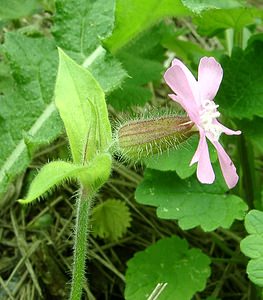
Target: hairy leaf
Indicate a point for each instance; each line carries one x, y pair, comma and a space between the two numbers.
56, 172
168, 261
190, 202
28, 118
79, 27
111, 219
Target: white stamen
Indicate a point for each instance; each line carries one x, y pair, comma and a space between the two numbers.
207, 116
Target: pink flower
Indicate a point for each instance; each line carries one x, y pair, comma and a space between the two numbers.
197, 99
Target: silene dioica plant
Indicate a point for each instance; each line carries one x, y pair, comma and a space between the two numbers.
61, 70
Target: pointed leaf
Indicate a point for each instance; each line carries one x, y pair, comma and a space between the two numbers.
56, 172
81, 104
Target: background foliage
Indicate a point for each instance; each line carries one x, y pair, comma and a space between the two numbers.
155, 217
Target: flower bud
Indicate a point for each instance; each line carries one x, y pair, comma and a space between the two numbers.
141, 138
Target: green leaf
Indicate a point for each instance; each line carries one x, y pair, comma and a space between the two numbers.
15, 9
81, 104
241, 92
129, 95
190, 202
168, 261
79, 26
178, 159
146, 52
56, 172
252, 246
135, 16
190, 53
132, 92
110, 219
28, 118
197, 6
212, 21
253, 130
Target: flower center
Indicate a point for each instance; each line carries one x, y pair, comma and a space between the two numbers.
208, 115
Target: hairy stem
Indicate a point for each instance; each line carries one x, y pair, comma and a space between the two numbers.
84, 203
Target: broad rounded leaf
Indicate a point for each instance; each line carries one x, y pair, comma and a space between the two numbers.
190, 202
178, 159
252, 246
168, 261
255, 271
110, 219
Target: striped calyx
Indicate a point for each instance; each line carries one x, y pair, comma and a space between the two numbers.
142, 138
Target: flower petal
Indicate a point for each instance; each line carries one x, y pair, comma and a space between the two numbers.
205, 173
185, 105
210, 75
227, 166
183, 83
228, 131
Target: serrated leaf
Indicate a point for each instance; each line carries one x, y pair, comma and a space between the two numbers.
197, 6
190, 202
79, 26
252, 246
168, 261
111, 219
56, 172
135, 16
15, 9
82, 107
28, 118
212, 21
178, 159
241, 92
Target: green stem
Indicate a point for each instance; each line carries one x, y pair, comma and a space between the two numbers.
83, 203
